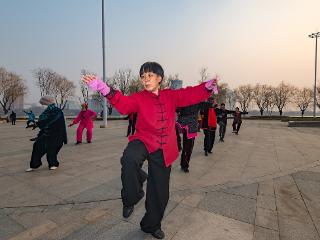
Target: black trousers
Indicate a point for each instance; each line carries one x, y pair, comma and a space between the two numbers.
209, 137
222, 129
132, 177
186, 150
236, 126
13, 121
131, 128
41, 147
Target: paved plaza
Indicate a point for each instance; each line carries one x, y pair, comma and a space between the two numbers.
262, 184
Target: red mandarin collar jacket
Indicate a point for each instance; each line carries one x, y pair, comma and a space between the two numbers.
85, 118
155, 125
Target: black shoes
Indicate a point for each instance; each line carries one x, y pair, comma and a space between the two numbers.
186, 170
210, 152
158, 234
77, 143
205, 153
127, 211
221, 140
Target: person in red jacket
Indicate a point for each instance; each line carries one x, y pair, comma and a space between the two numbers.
209, 124
85, 118
132, 117
154, 140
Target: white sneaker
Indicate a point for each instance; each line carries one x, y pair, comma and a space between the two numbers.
30, 169
53, 168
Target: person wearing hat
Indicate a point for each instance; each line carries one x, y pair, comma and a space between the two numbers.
154, 140
85, 118
51, 137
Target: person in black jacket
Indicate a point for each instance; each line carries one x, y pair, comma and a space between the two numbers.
222, 117
13, 118
51, 137
237, 120
187, 124
132, 117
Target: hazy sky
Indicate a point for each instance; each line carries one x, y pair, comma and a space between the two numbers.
243, 41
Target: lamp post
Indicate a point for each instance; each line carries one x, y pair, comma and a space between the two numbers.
104, 101
315, 35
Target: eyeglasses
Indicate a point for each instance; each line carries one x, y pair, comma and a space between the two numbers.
147, 76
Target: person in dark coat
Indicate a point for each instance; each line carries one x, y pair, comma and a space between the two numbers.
187, 124
222, 117
51, 137
237, 120
209, 124
13, 118
132, 117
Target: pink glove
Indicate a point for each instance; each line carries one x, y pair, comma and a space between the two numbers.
100, 86
212, 85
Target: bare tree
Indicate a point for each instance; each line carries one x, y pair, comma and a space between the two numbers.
84, 88
45, 80
121, 80
302, 98
62, 90
51, 83
270, 100
12, 86
318, 96
135, 85
231, 98
221, 97
203, 74
261, 95
282, 95
244, 94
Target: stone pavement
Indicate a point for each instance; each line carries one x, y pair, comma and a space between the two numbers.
262, 184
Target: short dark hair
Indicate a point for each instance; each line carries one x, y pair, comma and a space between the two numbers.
222, 104
152, 67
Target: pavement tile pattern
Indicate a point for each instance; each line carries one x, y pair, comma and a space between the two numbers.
260, 185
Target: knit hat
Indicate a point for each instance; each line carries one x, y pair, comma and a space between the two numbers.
46, 100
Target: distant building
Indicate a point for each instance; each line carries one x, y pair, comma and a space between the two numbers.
71, 104
18, 103
176, 84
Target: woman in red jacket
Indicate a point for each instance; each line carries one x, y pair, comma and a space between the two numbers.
209, 124
154, 140
85, 118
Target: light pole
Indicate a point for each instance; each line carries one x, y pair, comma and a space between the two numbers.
315, 35
104, 101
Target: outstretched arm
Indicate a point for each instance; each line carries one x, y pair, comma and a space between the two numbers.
193, 95
76, 120
124, 104
230, 112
